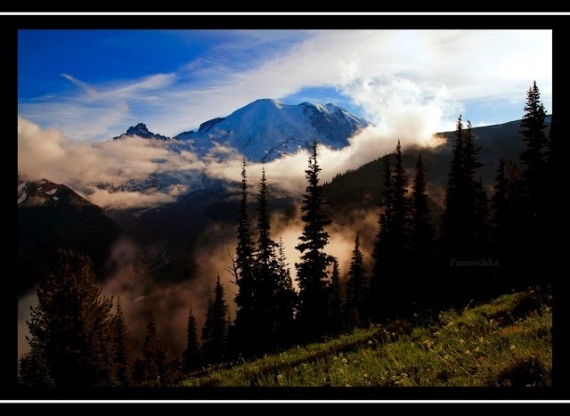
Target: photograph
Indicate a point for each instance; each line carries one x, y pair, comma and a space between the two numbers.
286, 208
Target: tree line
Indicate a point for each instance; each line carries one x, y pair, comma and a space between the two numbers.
488, 241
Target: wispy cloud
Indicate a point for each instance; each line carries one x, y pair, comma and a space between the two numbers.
92, 92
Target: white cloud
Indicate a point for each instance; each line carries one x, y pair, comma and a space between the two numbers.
83, 165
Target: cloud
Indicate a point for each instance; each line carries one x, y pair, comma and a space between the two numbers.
410, 84
133, 281
458, 66
85, 166
92, 92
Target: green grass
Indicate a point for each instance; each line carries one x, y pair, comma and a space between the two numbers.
506, 342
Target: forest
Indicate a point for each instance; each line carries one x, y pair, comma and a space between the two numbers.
485, 244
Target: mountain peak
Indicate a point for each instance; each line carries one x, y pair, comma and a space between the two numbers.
140, 130
267, 128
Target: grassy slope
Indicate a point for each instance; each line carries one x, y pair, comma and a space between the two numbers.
506, 342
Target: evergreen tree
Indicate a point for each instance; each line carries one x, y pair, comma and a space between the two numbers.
504, 230
536, 153
421, 242
382, 245
400, 207
481, 219
476, 209
70, 329
121, 346
422, 232
152, 354
463, 225
499, 207
285, 300
453, 227
214, 333
389, 294
245, 325
192, 353
356, 288
265, 272
336, 321
312, 270
537, 190
33, 369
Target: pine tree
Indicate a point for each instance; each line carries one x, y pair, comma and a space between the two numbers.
382, 245
356, 288
265, 272
535, 155
388, 293
336, 319
152, 354
507, 232
453, 227
312, 270
421, 239
192, 353
121, 346
476, 210
245, 325
285, 300
422, 232
537, 191
463, 226
464, 234
70, 329
400, 207
215, 331
33, 369
499, 207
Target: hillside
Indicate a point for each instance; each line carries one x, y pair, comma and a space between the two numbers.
362, 187
506, 342
52, 215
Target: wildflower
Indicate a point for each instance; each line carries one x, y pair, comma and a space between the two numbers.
513, 347
344, 361
365, 375
461, 341
481, 340
467, 352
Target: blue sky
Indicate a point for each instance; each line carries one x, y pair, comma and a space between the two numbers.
94, 84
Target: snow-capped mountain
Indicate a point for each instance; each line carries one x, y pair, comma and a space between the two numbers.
262, 131
266, 129
45, 193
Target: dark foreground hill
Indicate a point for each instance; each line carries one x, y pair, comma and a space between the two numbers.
52, 216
